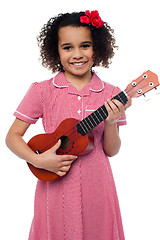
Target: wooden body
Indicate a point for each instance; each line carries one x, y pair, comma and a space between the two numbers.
72, 143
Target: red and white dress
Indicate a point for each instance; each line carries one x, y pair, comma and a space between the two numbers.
83, 205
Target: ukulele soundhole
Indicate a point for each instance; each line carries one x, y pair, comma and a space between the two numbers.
64, 142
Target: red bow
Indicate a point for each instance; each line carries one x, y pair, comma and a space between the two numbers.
93, 18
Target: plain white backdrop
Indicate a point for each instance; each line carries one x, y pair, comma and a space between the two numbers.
136, 168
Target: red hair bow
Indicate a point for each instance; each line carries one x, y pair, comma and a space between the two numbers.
93, 18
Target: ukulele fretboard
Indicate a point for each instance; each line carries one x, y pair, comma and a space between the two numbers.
95, 118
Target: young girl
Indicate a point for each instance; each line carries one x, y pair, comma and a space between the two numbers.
83, 204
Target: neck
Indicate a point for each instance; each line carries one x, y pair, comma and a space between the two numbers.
78, 81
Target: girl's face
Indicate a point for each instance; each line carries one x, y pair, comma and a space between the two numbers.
76, 51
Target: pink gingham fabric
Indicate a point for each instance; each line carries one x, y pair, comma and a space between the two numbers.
83, 205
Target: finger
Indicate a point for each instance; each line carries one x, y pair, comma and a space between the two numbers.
114, 106
119, 105
66, 163
117, 111
129, 103
61, 174
109, 110
108, 106
65, 168
56, 146
68, 157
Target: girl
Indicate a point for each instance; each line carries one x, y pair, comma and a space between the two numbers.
83, 204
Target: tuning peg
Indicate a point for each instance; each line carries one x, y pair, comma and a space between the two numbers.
157, 91
146, 98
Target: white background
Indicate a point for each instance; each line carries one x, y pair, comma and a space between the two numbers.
136, 168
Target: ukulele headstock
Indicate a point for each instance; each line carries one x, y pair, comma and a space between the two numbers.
146, 82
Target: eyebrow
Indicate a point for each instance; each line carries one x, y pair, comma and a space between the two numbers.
67, 44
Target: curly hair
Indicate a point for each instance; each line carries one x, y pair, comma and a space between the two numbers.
103, 41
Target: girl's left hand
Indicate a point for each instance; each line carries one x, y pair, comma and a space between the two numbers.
115, 110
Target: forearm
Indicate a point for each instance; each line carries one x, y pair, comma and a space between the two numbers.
19, 147
115, 111
112, 140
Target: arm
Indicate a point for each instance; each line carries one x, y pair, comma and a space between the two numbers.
48, 160
112, 140
15, 142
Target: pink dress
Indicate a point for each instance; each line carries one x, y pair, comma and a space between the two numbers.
83, 205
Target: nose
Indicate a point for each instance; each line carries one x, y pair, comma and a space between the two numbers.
77, 54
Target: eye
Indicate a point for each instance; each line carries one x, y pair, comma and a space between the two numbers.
67, 48
85, 46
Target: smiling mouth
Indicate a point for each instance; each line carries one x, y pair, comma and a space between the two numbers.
78, 63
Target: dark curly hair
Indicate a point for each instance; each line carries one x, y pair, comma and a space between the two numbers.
103, 41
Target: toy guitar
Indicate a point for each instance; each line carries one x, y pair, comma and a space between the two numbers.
76, 137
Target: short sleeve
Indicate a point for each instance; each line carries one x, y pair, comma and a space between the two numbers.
121, 121
30, 108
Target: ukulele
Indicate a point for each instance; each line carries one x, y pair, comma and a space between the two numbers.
76, 136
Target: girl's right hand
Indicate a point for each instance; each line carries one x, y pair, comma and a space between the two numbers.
59, 164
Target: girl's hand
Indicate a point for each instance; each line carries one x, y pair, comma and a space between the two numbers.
59, 164
115, 110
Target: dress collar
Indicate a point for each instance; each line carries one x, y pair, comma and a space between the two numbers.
95, 85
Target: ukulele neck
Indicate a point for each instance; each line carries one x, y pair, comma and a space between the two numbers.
95, 118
